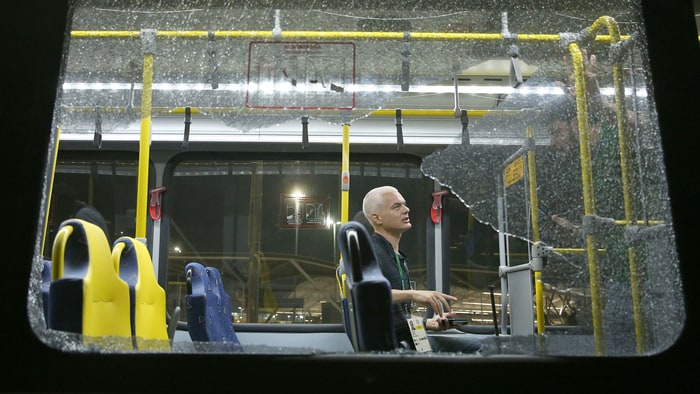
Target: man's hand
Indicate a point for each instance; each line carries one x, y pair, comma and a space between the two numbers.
439, 302
437, 323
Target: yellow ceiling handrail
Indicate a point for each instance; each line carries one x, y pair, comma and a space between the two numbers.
329, 35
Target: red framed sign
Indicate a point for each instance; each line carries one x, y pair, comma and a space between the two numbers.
301, 75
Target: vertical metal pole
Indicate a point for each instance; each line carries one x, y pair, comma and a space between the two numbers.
345, 175
502, 253
493, 310
588, 198
148, 41
438, 264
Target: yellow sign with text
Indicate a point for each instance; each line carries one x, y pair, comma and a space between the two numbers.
514, 171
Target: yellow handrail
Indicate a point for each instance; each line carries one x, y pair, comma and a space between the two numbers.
534, 220
54, 159
588, 198
345, 172
145, 139
329, 35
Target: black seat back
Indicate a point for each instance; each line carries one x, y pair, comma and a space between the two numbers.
368, 292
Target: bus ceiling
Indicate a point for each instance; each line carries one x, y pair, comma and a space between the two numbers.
272, 84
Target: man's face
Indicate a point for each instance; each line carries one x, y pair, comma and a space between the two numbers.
394, 214
563, 135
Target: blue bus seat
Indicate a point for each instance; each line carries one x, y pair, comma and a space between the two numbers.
224, 306
86, 294
146, 297
208, 307
370, 318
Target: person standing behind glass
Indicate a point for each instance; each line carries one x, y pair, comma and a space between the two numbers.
67, 205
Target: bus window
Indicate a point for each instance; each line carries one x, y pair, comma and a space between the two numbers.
269, 226
536, 118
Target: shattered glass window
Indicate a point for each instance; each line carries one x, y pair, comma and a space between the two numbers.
536, 115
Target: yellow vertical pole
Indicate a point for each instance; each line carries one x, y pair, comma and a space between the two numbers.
148, 40
52, 175
344, 197
588, 197
534, 219
532, 183
345, 175
630, 211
